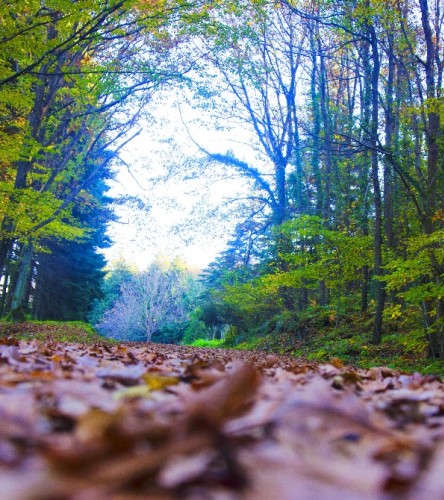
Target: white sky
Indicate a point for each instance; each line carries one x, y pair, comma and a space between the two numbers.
141, 235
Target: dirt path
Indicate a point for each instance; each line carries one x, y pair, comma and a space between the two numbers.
158, 422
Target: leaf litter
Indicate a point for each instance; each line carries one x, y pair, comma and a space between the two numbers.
162, 422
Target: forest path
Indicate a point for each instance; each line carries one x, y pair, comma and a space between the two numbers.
160, 421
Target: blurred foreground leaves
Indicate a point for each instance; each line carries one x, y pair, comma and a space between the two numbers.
160, 421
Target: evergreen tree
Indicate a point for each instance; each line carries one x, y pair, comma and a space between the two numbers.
69, 275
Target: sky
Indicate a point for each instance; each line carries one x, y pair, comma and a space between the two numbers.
191, 218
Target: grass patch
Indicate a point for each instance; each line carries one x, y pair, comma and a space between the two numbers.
206, 343
51, 331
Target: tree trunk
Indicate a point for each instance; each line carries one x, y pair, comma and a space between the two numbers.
21, 286
377, 197
432, 128
5, 276
389, 145
316, 112
327, 135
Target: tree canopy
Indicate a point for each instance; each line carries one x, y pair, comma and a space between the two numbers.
74, 79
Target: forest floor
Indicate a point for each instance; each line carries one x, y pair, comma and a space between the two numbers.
103, 421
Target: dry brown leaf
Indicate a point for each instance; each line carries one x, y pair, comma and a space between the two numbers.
227, 397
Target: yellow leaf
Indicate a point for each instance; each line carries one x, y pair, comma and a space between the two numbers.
156, 381
136, 391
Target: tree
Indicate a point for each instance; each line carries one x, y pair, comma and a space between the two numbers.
73, 80
118, 273
68, 277
369, 142
159, 298
259, 65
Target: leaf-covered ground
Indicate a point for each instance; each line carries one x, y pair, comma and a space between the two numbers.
154, 421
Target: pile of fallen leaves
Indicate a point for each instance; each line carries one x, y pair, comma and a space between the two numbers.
153, 421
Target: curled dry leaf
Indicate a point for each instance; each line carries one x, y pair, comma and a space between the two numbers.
226, 398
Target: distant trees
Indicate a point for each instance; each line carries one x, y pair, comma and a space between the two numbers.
153, 303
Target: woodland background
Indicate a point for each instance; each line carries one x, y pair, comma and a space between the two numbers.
340, 248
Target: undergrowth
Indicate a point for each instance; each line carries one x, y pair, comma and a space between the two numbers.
51, 331
403, 346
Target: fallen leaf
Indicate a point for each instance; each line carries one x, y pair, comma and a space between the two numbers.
156, 381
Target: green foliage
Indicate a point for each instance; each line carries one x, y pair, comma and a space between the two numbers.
313, 255
171, 333
207, 343
412, 277
318, 253
195, 329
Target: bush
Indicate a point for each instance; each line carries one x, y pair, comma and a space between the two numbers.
207, 343
196, 329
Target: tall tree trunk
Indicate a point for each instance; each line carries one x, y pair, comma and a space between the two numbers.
21, 284
389, 144
315, 154
300, 194
432, 125
364, 176
378, 231
327, 135
432, 128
